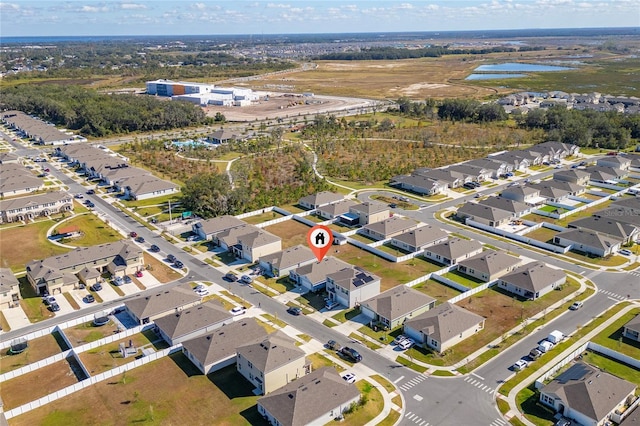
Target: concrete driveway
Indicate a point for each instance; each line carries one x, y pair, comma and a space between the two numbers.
16, 317
65, 306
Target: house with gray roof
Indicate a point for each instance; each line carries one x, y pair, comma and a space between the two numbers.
248, 242
320, 199
620, 214
215, 350
144, 309
334, 210
608, 226
577, 176
313, 276
588, 242
453, 251
556, 191
392, 307
532, 280
221, 136
529, 195
9, 289
614, 161
271, 363
605, 174
33, 206
207, 229
635, 162
475, 173
192, 322
15, 179
557, 150
631, 329
514, 158
144, 187
497, 168
484, 214
369, 212
452, 178
489, 265
113, 175
419, 184
516, 208
313, 400
419, 239
629, 202
351, 285
587, 394
388, 228
282, 262
443, 326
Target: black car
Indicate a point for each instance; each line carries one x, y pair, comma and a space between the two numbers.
294, 310
178, 264
351, 354
332, 344
89, 204
89, 298
96, 287
54, 307
91, 192
154, 249
231, 277
171, 258
140, 240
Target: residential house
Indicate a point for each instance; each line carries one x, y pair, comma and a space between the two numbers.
588, 242
477, 174
146, 186
484, 214
369, 212
452, 178
388, 228
216, 350
192, 322
282, 262
313, 400
513, 158
9, 289
224, 136
15, 179
248, 242
452, 251
608, 226
631, 329
207, 229
557, 150
529, 195
497, 168
313, 276
489, 265
587, 394
392, 307
605, 174
635, 162
614, 161
33, 206
144, 309
320, 199
571, 188
419, 239
627, 203
516, 208
113, 176
35, 129
532, 280
620, 214
335, 210
419, 184
550, 193
577, 176
351, 285
272, 362
57, 274
443, 326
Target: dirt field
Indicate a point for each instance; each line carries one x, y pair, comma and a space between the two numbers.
33, 243
291, 231
39, 349
179, 395
87, 332
160, 270
438, 291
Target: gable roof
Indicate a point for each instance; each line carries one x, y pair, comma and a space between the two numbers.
419, 181
219, 224
443, 175
320, 198
490, 262
398, 302
505, 204
7, 279
369, 208
421, 236
524, 191
486, 163
271, 353
289, 257
589, 238
391, 225
317, 271
634, 324
146, 184
257, 238
444, 321
353, 277
483, 211
630, 202
195, 318
455, 247
621, 214
588, 390
534, 276
309, 397
573, 174
338, 208
222, 343
163, 301
34, 200
605, 225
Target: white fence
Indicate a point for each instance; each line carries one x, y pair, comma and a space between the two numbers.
430, 275
257, 212
89, 382
471, 292
634, 362
517, 237
566, 360
274, 221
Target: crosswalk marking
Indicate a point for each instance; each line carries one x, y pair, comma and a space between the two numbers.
612, 295
498, 422
478, 384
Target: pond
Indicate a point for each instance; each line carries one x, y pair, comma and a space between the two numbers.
518, 67
493, 76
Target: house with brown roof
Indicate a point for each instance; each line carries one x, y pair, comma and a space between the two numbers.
282, 262
192, 322
631, 329
207, 229
313, 400
313, 276
587, 394
453, 251
33, 206
217, 349
443, 326
9, 289
334, 210
271, 363
533, 280
388, 228
489, 265
419, 239
248, 242
352, 285
392, 307
144, 309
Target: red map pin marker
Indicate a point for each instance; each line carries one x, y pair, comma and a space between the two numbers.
320, 239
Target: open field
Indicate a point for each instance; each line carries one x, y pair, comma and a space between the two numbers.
33, 243
39, 349
438, 291
262, 217
291, 231
87, 332
180, 395
542, 234
94, 231
160, 270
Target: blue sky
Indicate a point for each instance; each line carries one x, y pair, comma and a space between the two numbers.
175, 17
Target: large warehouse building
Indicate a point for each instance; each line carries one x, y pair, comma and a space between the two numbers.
202, 93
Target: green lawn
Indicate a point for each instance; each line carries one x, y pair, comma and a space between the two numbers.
370, 405
346, 314
174, 198
32, 241
94, 231
465, 280
611, 337
437, 290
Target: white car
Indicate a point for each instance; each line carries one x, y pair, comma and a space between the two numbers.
399, 339
520, 365
199, 287
575, 306
238, 310
625, 252
406, 343
203, 292
349, 378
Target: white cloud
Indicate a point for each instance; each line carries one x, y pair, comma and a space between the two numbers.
199, 6
132, 6
92, 9
9, 7
407, 6
278, 6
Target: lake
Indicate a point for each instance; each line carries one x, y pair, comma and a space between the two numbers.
517, 67
493, 76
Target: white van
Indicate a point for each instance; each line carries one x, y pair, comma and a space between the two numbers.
555, 337
545, 346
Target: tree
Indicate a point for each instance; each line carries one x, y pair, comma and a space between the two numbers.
220, 118
207, 195
276, 135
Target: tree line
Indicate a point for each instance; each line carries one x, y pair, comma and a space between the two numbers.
393, 53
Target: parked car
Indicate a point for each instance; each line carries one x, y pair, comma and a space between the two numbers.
133, 234
351, 354
399, 339
154, 248
349, 378
520, 364
202, 292
171, 258
331, 305
118, 281
231, 277
89, 298
625, 252
535, 354
127, 279
177, 264
139, 240
199, 287
54, 307
91, 192
47, 170
333, 345
294, 310
393, 205
246, 279
406, 343
96, 287
138, 274
89, 204
576, 305
79, 196
238, 310
48, 300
